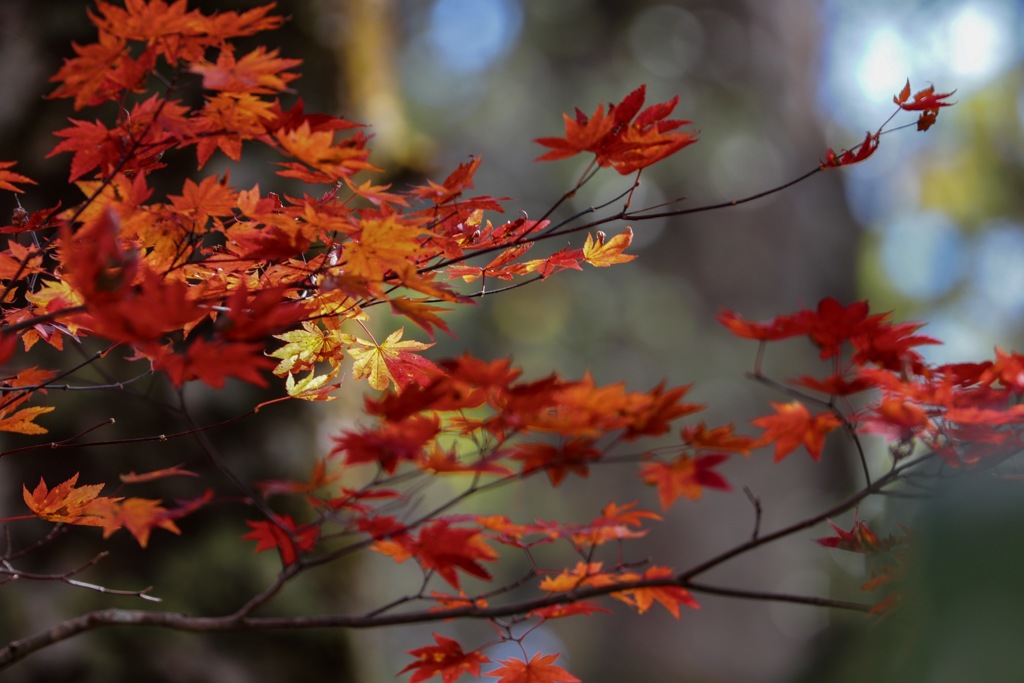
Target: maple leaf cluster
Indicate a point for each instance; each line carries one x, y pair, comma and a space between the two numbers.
941, 407
926, 101
208, 282
625, 138
72, 504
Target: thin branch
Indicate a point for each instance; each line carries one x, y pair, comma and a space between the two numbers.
765, 596
640, 215
837, 509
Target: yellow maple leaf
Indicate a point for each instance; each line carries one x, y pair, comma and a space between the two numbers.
391, 361
312, 387
21, 422
602, 253
307, 347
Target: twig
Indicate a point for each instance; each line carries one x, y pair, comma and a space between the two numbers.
756, 502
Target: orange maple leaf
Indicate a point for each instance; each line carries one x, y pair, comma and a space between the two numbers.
176, 471
138, 515
540, 669
621, 138
226, 120
582, 134
381, 245
793, 426
652, 412
30, 380
317, 150
258, 72
684, 477
583, 574
212, 196
601, 253
458, 180
670, 597
22, 421
902, 420
318, 479
101, 71
616, 523
445, 659
562, 610
67, 503
718, 438
8, 178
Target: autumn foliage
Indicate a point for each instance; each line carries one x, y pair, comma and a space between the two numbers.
212, 283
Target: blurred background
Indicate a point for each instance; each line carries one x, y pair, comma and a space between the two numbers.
931, 227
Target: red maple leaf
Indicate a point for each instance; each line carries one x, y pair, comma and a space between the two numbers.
389, 444
859, 539
443, 548
445, 659
1007, 370
890, 345
924, 100
832, 324
853, 155
573, 456
284, 535
420, 312
564, 259
834, 385
438, 547
212, 362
